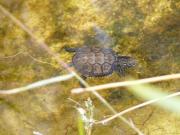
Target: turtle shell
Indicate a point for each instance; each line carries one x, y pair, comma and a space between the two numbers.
94, 61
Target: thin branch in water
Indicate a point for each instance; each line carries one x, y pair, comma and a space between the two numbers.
75, 102
127, 83
44, 46
37, 133
40, 61
11, 56
37, 84
26, 53
137, 106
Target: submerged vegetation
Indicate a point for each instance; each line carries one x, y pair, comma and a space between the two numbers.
147, 30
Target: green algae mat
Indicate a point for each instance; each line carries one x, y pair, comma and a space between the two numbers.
146, 30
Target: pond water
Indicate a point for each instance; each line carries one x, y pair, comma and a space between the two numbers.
146, 30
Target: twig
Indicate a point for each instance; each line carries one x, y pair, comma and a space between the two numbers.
75, 102
137, 106
52, 53
37, 133
37, 84
26, 53
126, 83
11, 56
40, 61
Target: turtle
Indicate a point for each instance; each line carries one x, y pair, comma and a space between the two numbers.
95, 61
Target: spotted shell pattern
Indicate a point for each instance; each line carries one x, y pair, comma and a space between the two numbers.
94, 61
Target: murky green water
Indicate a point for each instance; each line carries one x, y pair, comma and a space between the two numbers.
147, 30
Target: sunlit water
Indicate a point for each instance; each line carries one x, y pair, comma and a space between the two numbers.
145, 30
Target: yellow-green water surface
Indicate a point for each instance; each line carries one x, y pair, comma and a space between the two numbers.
147, 30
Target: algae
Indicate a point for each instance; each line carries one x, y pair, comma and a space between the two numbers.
147, 30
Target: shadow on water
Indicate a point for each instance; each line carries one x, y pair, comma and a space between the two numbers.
160, 46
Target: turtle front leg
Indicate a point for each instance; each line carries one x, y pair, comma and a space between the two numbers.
69, 49
121, 71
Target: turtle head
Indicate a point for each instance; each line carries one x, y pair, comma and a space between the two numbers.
124, 62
